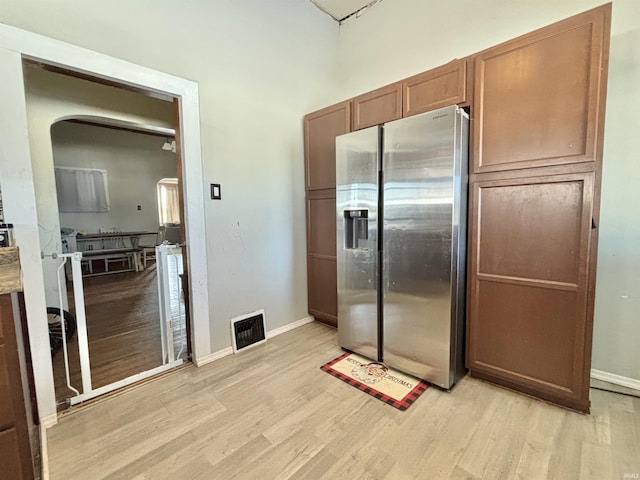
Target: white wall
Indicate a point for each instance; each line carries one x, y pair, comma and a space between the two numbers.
51, 97
617, 314
398, 38
260, 65
134, 162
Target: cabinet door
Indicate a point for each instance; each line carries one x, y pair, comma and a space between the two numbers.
323, 292
320, 131
321, 256
530, 325
377, 107
435, 88
321, 232
15, 449
539, 99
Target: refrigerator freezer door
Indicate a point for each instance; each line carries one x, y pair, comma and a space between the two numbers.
357, 171
421, 166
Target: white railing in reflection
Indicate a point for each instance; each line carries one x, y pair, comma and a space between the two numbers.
63, 326
169, 361
172, 311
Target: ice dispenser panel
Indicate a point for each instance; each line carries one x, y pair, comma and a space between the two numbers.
356, 228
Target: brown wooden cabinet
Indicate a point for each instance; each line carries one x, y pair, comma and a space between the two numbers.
539, 99
321, 234
377, 107
529, 289
537, 151
321, 129
321, 249
440, 87
15, 449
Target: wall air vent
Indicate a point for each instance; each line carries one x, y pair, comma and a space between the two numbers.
248, 331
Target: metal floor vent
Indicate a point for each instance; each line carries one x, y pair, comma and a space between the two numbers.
248, 330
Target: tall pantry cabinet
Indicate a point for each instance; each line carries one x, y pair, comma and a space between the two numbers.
320, 131
538, 122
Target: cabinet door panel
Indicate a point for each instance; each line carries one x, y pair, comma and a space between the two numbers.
435, 88
528, 284
7, 413
10, 464
538, 98
528, 332
321, 129
377, 107
544, 241
321, 213
323, 298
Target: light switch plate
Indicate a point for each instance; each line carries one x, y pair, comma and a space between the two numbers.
216, 193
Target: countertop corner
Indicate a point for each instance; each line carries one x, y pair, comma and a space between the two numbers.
10, 277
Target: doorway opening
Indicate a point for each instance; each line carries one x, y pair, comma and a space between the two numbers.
19, 178
129, 295
102, 175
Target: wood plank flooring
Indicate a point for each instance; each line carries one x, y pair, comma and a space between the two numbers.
271, 413
123, 325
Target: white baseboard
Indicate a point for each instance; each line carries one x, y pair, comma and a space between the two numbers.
291, 326
49, 421
212, 357
616, 379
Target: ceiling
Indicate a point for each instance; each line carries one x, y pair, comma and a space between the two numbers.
341, 9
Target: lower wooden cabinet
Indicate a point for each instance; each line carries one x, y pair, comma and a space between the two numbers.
530, 323
321, 255
15, 448
323, 290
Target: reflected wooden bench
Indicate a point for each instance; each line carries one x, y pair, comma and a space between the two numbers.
129, 255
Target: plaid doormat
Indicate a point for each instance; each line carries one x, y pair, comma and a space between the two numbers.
392, 387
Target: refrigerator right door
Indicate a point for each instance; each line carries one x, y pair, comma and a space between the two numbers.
423, 238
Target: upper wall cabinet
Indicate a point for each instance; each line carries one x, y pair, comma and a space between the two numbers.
436, 88
538, 98
320, 131
377, 107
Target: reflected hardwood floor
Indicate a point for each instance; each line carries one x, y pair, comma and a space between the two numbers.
270, 412
123, 327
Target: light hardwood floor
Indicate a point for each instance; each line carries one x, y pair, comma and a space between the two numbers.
271, 413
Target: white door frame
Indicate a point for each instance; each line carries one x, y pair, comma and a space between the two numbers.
18, 190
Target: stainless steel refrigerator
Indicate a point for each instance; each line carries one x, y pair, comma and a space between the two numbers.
401, 196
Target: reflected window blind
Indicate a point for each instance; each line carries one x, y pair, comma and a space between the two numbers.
82, 190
